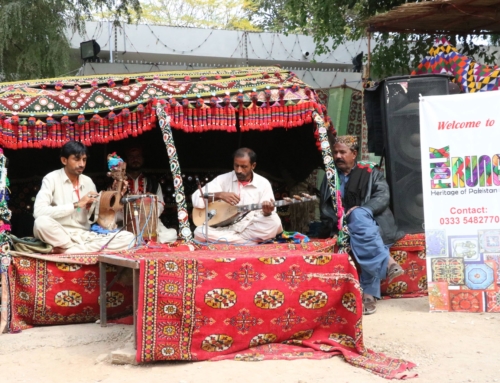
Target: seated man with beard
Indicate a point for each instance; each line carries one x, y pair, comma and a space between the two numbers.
242, 186
372, 228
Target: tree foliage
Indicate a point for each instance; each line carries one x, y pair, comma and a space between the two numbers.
33, 42
211, 14
332, 22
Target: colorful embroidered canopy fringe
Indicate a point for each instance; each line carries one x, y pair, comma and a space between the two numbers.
470, 75
47, 113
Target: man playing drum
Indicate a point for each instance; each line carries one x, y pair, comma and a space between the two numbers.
139, 183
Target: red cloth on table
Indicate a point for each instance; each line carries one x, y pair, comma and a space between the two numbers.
252, 305
61, 289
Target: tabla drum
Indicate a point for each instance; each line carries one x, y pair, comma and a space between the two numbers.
141, 217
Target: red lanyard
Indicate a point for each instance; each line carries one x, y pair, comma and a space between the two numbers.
77, 191
240, 185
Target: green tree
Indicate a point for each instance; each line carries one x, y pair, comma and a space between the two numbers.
332, 22
33, 42
211, 14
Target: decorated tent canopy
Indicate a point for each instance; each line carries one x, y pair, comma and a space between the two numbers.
49, 112
98, 110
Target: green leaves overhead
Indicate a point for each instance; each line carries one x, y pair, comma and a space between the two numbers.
33, 42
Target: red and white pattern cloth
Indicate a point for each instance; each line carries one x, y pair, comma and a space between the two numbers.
254, 305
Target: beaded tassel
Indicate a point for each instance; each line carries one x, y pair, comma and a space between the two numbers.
23, 136
66, 133
140, 116
51, 133
133, 117
127, 127
32, 127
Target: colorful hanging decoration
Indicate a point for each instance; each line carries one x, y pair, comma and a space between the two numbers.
180, 197
333, 181
49, 112
472, 77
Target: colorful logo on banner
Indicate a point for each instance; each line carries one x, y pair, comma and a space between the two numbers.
473, 171
461, 183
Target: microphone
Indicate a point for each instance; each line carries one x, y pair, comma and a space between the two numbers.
132, 198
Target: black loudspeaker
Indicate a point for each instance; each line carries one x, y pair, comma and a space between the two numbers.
401, 126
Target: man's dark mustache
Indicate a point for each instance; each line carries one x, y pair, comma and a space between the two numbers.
340, 162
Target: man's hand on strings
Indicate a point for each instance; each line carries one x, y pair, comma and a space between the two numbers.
228, 197
267, 208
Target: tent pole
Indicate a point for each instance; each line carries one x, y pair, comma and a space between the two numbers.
369, 56
332, 180
180, 198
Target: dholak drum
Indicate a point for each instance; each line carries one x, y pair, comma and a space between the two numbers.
141, 217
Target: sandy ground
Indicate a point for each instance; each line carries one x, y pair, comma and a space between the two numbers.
447, 347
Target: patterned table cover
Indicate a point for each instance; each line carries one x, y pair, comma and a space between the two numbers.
253, 305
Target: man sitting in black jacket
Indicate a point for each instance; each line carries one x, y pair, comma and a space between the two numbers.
372, 228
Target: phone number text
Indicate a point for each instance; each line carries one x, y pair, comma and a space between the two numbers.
468, 220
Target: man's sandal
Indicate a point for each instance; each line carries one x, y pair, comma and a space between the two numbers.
369, 305
394, 271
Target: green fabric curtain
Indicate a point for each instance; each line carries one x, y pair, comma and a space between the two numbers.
339, 102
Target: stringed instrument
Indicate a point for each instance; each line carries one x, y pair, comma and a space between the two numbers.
221, 213
110, 201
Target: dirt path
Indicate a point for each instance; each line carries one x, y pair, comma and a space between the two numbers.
451, 347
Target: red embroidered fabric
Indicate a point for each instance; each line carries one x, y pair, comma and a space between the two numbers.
254, 305
47, 292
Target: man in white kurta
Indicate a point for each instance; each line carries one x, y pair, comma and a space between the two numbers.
242, 186
64, 205
138, 183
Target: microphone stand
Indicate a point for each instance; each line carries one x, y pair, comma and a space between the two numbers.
205, 199
206, 213
137, 223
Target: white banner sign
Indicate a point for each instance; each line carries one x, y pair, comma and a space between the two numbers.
460, 143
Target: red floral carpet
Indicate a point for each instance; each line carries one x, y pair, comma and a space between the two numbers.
47, 290
322, 245
409, 252
249, 305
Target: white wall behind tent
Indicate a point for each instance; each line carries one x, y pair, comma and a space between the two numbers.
145, 48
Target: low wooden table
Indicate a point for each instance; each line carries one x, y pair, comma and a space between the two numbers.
121, 263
